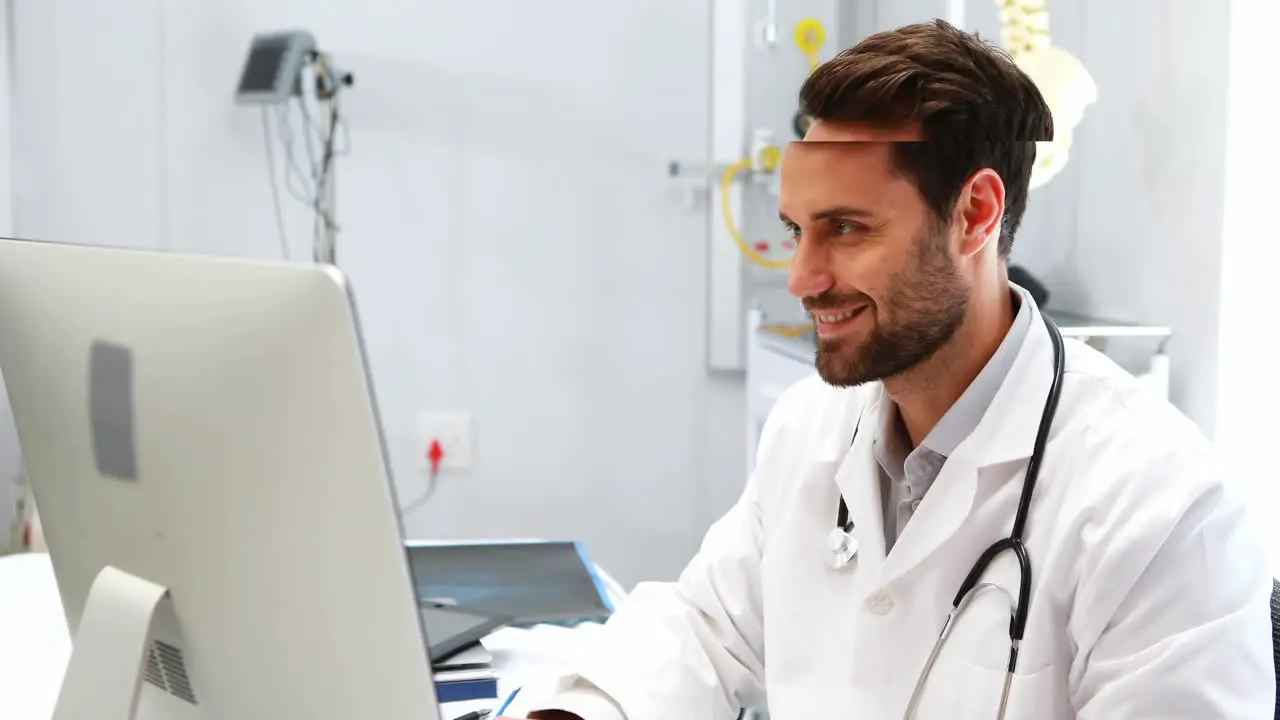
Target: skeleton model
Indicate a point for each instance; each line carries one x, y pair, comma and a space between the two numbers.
1063, 80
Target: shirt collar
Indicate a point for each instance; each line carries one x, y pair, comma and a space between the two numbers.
962, 417
967, 411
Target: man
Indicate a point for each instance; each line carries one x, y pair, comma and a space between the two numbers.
1148, 591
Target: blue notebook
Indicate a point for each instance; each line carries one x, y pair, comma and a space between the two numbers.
464, 685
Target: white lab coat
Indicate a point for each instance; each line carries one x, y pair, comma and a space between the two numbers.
1150, 587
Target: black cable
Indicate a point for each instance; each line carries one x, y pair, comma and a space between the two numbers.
316, 178
307, 131
307, 195
422, 499
324, 222
319, 180
275, 185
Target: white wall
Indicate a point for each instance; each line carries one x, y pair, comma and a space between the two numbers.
1132, 227
516, 249
1248, 389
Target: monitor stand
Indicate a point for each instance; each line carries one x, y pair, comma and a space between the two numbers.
110, 647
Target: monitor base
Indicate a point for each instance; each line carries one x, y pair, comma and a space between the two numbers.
109, 650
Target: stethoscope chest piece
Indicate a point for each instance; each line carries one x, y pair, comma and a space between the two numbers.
842, 548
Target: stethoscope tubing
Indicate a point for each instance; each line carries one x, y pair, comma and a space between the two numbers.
1012, 542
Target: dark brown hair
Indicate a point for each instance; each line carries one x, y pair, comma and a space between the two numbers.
975, 109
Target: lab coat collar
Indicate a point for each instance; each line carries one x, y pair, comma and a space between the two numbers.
1006, 433
858, 477
1008, 429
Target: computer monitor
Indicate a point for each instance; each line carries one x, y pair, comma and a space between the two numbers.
204, 449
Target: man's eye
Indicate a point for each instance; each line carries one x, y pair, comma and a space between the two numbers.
792, 230
845, 227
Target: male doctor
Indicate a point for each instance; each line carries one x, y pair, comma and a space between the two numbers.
1148, 591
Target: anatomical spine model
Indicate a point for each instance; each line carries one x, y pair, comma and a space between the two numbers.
1062, 79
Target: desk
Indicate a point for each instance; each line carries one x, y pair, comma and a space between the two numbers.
525, 655
35, 645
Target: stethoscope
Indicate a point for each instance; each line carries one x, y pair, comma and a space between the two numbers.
843, 548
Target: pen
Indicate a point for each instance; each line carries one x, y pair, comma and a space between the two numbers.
475, 715
507, 704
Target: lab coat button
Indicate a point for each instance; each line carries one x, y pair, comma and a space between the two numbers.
880, 603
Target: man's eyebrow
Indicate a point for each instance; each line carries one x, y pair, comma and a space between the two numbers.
839, 211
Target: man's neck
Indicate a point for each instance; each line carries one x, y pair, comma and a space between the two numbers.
925, 393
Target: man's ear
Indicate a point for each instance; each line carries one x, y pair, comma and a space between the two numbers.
979, 211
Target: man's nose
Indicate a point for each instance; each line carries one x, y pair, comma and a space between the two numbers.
810, 272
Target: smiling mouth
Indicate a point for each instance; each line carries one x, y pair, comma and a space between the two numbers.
830, 323
831, 317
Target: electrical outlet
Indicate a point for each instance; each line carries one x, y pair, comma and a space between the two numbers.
453, 431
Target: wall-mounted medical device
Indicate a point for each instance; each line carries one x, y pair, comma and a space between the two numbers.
273, 69
284, 68
762, 50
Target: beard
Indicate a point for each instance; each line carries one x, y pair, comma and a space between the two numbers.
922, 311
